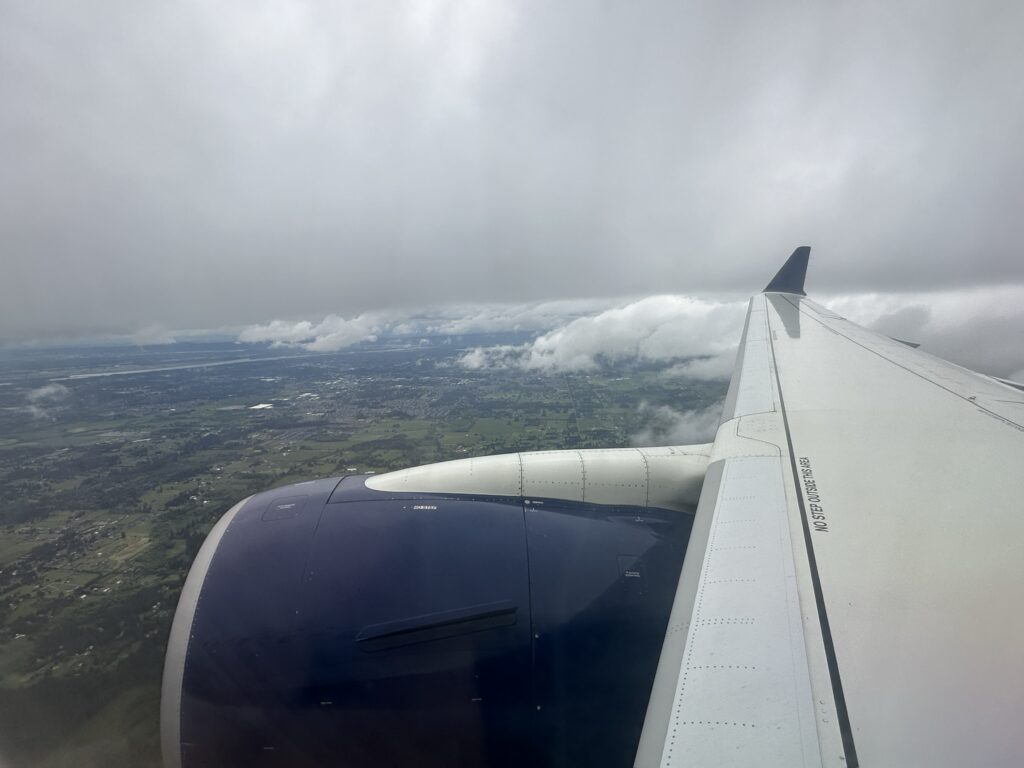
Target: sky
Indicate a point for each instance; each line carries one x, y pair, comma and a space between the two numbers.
194, 165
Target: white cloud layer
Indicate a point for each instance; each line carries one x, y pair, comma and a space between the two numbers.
655, 329
335, 332
978, 328
694, 337
329, 335
492, 318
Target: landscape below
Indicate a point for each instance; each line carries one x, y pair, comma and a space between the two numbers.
115, 462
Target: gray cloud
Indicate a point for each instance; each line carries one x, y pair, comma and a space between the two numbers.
980, 329
707, 368
202, 165
153, 334
667, 426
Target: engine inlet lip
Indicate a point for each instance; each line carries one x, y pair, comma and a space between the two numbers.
177, 644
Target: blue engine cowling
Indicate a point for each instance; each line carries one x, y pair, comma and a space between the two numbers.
325, 623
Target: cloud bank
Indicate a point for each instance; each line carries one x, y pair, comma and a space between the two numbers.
335, 332
655, 329
694, 337
329, 335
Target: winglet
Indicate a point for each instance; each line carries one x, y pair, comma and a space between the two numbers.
790, 279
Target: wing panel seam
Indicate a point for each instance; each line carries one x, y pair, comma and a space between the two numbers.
845, 730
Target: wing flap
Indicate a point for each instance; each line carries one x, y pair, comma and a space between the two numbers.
743, 692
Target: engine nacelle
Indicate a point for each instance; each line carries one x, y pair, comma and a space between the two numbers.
329, 623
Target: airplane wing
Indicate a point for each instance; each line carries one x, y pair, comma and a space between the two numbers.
852, 589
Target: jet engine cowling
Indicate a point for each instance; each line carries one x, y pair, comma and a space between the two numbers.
331, 623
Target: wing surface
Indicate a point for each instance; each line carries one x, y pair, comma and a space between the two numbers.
852, 590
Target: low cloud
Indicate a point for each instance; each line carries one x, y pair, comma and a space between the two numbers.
667, 426
693, 337
697, 338
335, 332
44, 402
654, 329
329, 335
495, 318
711, 368
502, 356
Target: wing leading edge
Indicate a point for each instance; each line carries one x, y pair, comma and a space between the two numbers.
849, 594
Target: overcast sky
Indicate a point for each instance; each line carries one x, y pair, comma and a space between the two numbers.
197, 165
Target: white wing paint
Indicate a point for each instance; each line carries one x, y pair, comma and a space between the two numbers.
851, 593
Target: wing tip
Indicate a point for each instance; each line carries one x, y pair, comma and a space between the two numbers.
790, 279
